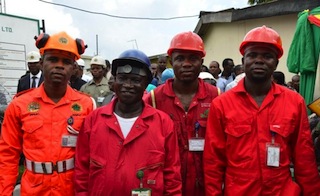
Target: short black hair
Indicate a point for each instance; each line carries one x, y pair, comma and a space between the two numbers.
225, 61
279, 77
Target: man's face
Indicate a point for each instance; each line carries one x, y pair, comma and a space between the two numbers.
259, 62
80, 71
162, 63
154, 68
228, 68
295, 82
34, 67
97, 71
129, 88
75, 72
58, 66
214, 68
111, 82
186, 65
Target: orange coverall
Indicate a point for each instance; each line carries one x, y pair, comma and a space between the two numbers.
34, 124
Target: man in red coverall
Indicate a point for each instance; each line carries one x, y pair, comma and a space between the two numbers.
43, 124
187, 100
127, 146
257, 129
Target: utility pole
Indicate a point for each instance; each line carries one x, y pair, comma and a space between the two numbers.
135, 41
97, 50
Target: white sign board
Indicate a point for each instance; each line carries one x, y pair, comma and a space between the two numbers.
16, 40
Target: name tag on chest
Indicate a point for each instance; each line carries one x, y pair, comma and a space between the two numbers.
69, 141
196, 144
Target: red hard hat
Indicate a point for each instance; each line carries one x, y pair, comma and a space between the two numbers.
187, 41
262, 35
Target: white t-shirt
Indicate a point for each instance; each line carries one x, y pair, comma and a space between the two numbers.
125, 124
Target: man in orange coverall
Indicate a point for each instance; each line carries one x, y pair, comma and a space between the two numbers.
186, 98
257, 129
43, 124
127, 147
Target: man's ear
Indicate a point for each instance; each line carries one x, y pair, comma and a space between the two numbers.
276, 64
202, 61
242, 61
170, 60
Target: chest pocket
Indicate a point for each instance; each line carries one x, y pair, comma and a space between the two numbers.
239, 143
34, 134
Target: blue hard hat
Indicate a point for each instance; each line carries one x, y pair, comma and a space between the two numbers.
132, 57
167, 74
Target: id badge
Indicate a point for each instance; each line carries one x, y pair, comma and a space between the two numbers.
141, 192
273, 155
69, 141
196, 144
100, 99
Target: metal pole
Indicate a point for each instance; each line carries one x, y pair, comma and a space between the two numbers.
97, 50
0, 6
4, 6
136, 43
43, 28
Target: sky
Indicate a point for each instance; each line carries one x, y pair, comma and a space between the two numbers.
109, 36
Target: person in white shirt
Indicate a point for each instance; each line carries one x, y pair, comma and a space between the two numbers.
34, 78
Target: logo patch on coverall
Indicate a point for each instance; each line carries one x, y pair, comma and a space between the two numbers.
33, 107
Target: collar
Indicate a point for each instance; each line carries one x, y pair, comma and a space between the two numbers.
70, 95
109, 109
38, 75
104, 81
275, 89
201, 93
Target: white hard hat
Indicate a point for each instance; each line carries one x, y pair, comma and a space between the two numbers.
33, 57
98, 60
81, 63
206, 75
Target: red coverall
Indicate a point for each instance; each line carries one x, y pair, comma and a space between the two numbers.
107, 163
184, 122
238, 132
34, 124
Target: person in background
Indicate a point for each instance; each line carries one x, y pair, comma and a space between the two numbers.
227, 74
204, 68
34, 78
43, 123
108, 70
75, 80
98, 87
162, 65
239, 73
296, 82
154, 72
82, 66
249, 150
186, 99
214, 69
112, 94
207, 77
279, 78
127, 146
167, 74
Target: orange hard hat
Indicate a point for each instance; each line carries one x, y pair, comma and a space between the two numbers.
187, 41
60, 41
262, 35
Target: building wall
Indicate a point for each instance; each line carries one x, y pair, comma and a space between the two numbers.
222, 40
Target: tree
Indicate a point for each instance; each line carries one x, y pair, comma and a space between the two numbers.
256, 2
